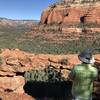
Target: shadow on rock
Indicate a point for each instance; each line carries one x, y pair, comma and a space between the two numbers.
50, 90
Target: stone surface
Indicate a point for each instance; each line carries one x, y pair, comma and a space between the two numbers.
57, 15
12, 83
71, 30
15, 96
3, 73
80, 30
87, 13
91, 30
16, 62
45, 15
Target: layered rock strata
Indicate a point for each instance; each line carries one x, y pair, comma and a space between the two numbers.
72, 14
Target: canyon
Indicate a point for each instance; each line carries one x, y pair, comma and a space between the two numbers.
74, 23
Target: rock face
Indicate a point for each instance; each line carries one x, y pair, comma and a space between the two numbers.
13, 64
14, 84
80, 30
72, 14
15, 96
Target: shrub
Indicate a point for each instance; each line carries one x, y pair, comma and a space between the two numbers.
45, 75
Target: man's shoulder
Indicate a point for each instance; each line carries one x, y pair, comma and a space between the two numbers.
78, 66
82, 67
93, 68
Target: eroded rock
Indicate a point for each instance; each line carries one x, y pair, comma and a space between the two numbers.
15, 63
12, 84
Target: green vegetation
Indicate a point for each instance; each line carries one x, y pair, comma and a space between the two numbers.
87, 25
9, 36
16, 38
74, 46
44, 75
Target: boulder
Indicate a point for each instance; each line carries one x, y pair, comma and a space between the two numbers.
12, 84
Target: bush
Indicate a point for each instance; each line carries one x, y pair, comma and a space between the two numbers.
45, 75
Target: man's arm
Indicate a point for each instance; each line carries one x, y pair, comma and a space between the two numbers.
95, 74
71, 76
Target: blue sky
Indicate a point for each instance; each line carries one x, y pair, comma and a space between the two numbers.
23, 9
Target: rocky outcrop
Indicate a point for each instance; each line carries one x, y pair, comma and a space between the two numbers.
14, 63
15, 96
80, 30
45, 15
71, 30
14, 84
56, 15
72, 14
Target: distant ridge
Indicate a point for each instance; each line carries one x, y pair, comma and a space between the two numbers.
5, 22
4, 18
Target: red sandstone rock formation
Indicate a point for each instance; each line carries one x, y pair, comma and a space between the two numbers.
13, 63
87, 13
14, 84
80, 30
15, 96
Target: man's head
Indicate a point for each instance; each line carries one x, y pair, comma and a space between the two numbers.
86, 57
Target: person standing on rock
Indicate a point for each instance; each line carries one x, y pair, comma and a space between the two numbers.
82, 76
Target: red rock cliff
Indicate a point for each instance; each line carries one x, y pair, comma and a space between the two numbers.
72, 14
